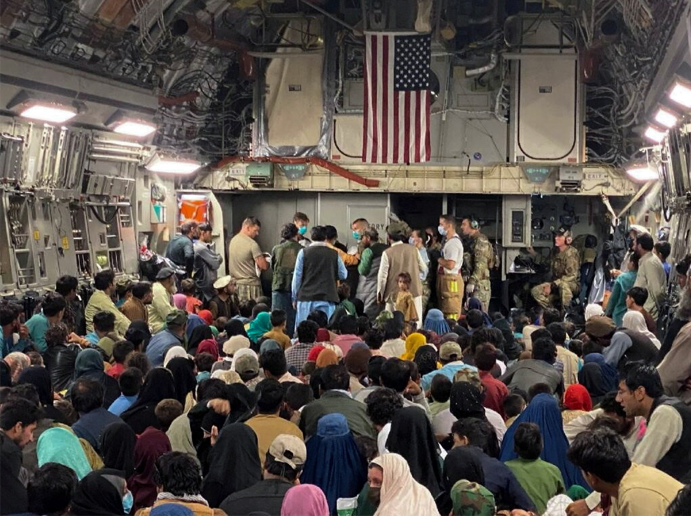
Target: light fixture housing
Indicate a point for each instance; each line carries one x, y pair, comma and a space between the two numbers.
136, 128
655, 134
641, 170
44, 111
172, 165
680, 92
666, 117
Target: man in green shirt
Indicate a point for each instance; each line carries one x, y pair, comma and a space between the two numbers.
101, 300
52, 310
541, 480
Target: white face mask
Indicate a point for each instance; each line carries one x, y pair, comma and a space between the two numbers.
442, 230
411, 240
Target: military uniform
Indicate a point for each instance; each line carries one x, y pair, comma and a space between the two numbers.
480, 258
566, 267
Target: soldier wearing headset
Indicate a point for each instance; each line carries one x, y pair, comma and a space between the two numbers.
479, 260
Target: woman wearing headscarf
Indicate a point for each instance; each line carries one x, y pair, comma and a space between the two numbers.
60, 445
460, 463
334, 462
305, 499
543, 410
180, 301
96, 495
233, 464
117, 447
208, 346
634, 320
235, 328
323, 336
577, 402
199, 334
598, 377
207, 316
475, 304
426, 358
158, 385
399, 493
89, 364
39, 377
185, 381
151, 445
435, 322
259, 326
326, 358
466, 401
412, 343
411, 436
383, 317
175, 351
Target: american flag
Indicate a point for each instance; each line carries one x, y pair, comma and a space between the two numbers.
397, 98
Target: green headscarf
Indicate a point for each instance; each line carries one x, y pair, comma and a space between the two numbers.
58, 445
383, 317
259, 326
214, 330
471, 499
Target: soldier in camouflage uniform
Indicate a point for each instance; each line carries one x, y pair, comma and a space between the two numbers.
566, 265
479, 259
470, 498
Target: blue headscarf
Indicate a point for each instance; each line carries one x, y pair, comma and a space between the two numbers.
334, 462
474, 303
544, 411
193, 321
435, 322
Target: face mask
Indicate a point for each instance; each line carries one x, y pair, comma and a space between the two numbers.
356, 236
302, 230
127, 502
411, 240
374, 495
441, 229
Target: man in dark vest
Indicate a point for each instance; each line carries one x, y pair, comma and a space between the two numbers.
368, 269
667, 441
401, 257
621, 345
318, 269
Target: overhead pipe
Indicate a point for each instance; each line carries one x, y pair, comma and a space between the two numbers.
493, 60
319, 162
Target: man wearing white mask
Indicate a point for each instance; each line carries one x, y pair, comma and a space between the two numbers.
450, 285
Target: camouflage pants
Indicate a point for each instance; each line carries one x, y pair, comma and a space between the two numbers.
483, 292
249, 292
565, 290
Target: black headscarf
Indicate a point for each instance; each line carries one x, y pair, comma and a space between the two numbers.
412, 437
39, 377
426, 359
158, 385
95, 495
199, 334
233, 464
242, 402
235, 328
117, 447
138, 333
182, 369
460, 463
466, 401
511, 348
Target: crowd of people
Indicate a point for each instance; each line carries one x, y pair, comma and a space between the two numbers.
339, 395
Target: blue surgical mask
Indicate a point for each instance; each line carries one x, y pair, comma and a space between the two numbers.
356, 236
441, 230
127, 502
302, 230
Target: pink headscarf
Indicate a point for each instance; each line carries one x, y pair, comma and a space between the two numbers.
305, 500
180, 301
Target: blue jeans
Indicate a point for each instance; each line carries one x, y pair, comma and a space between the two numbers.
283, 300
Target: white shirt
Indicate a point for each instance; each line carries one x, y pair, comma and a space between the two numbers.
453, 250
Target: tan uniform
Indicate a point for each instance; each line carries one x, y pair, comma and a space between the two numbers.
566, 267
481, 258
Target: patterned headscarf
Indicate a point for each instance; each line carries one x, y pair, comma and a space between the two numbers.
471, 499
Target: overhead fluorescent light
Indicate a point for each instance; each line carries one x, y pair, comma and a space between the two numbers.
48, 112
169, 165
137, 128
655, 134
641, 170
681, 94
666, 117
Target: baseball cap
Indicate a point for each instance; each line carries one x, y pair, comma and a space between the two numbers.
235, 343
450, 349
222, 282
176, 318
247, 364
563, 230
599, 326
165, 272
468, 374
288, 449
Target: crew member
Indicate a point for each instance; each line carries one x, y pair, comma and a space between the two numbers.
181, 249
245, 257
302, 222
479, 259
566, 265
449, 279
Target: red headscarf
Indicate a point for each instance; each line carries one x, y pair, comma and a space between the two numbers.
578, 398
314, 353
323, 336
209, 346
151, 445
206, 316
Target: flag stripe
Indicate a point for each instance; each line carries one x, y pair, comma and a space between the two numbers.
386, 92
406, 129
366, 127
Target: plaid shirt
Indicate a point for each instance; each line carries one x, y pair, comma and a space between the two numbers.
297, 354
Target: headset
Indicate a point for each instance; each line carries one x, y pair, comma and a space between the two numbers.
474, 224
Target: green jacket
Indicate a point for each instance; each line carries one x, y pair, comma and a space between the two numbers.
99, 302
283, 258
